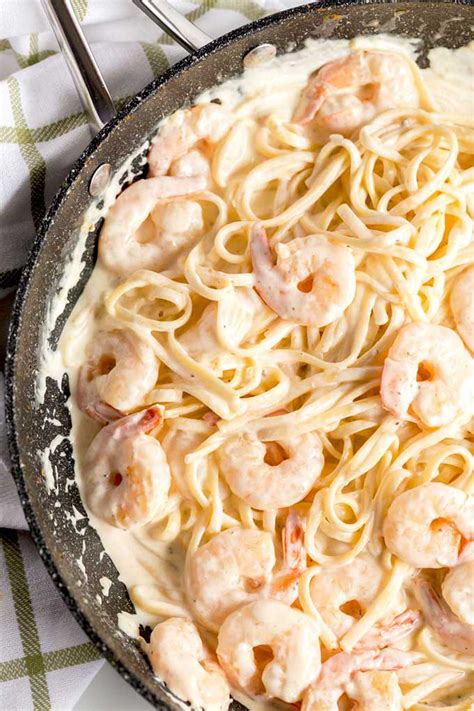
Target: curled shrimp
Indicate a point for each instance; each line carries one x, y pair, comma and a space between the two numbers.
462, 306
349, 92
179, 658
428, 525
455, 634
342, 595
375, 691
128, 240
126, 474
339, 671
458, 591
179, 137
428, 376
271, 475
293, 639
119, 372
239, 566
312, 282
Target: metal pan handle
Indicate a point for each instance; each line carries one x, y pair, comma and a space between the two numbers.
174, 24
90, 84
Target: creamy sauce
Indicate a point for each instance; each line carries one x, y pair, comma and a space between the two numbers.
141, 560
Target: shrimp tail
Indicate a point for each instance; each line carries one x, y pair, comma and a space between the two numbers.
143, 421
311, 101
294, 557
262, 263
149, 419
102, 412
293, 549
260, 249
399, 627
451, 631
391, 659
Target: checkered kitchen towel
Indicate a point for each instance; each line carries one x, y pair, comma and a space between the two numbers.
45, 659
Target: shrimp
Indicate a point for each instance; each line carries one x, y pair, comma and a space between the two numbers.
239, 315
179, 136
342, 595
126, 475
312, 282
375, 691
338, 672
458, 591
119, 372
271, 475
382, 636
349, 92
462, 306
427, 526
128, 241
455, 634
238, 566
428, 376
249, 634
179, 658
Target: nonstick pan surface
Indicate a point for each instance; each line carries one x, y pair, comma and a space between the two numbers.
60, 535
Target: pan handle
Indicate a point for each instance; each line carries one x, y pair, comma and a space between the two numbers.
90, 84
174, 24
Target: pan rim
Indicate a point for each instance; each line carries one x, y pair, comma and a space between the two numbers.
34, 255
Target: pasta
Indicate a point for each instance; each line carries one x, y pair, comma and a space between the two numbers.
303, 365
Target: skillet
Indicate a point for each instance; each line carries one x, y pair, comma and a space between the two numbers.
55, 515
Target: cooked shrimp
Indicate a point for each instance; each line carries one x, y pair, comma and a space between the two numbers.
239, 566
312, 282
462, 306
238, 315
428, 376
338, 672
375, 691
427, 526
201, 342
385, 635
182, 132
178, 657
342, 595
455, 634
119, 372
191, 164
125, 471
347, 93
290, 635
268, 475
127, 241
458, 591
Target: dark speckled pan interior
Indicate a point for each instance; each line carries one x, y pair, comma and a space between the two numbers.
32, 428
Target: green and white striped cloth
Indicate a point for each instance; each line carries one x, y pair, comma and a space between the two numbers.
46, 661
42, 126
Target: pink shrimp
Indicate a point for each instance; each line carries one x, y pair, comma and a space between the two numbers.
179, 135
238, 566
125, 243
294, 557
120, 370
385, 635
347, 93
312, 282
126, 475
455, 634
337, 672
